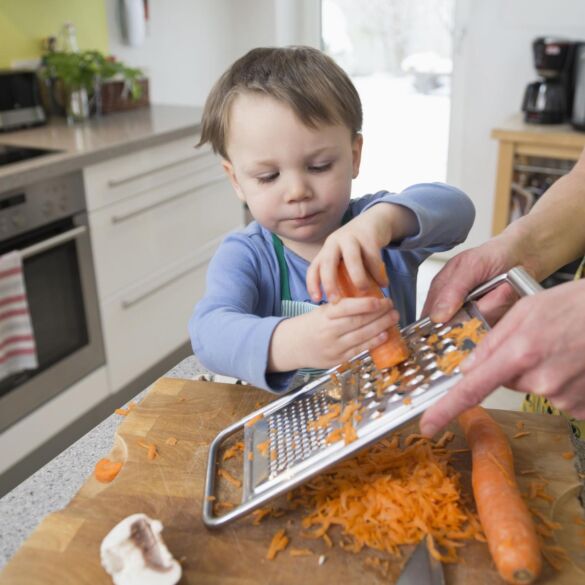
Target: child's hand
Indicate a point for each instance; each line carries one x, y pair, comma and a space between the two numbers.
332, 333
359, 243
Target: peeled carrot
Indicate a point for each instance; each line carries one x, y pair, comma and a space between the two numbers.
106, 470
394, 350
506, 520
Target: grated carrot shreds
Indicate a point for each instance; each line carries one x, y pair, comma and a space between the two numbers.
236, 449
259, 515
385, 498
250, 456
300, 552
263, 447
333, 436
219, 506
413, 438
349, 411
230, 478
349, 433
151, 448
254, 420
568, 455
472, 330
326, 419
449, 361
125, 411
521, 434
172, 441
447, 437
520, 425
327, 540
279, 543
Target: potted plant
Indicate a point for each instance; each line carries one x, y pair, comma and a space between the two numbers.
76, 79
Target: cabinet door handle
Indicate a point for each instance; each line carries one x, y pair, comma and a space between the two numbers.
130, 178
204, 255
140, 210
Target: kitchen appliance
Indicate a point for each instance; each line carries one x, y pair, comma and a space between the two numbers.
12, 154
578, 114
287, 451
550, 99
20, 101
47, 223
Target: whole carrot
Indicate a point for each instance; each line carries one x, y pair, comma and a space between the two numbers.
394, 350
506, 521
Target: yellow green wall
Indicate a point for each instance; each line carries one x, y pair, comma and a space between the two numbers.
23, 23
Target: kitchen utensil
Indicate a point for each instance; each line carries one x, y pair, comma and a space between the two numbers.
421, 568
282, 450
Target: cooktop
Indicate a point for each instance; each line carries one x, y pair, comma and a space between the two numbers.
11, 154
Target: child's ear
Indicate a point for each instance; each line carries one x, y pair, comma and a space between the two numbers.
229, 171
356, 154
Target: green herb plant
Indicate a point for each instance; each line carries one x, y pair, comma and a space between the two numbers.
86, 69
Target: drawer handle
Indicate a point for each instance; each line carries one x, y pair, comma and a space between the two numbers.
204, 255
140, 210
130, 178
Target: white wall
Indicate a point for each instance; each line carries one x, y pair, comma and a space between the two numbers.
493, 64
189, 44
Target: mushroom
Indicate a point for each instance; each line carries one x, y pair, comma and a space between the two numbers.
133, 553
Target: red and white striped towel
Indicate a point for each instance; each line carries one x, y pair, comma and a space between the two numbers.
17, 343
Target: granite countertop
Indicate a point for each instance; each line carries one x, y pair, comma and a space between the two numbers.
96, 140
54, 485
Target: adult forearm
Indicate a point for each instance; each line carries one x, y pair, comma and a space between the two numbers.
553, 233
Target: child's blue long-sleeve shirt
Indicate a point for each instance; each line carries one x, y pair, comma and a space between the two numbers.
232, 325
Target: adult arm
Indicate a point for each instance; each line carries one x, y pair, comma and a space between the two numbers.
550, 236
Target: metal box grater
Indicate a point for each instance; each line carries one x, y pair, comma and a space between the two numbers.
291, 451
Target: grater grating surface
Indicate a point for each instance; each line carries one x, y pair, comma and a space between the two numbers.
287, 450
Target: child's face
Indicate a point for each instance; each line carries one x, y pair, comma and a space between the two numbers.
296, 180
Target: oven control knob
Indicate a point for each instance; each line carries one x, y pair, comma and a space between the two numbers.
47, 208
18, 220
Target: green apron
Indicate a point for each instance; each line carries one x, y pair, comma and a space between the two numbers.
541, 405
290, 308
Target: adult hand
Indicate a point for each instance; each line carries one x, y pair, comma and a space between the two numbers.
331, 333
474, 267
537, 347
359, 243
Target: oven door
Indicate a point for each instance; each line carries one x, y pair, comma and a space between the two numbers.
61, 291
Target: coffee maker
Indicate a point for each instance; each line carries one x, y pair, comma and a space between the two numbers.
550, 99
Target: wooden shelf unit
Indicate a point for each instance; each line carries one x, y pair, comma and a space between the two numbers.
518, 139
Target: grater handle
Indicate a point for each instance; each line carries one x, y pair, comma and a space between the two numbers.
517, 277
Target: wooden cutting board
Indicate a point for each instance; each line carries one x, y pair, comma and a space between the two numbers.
65, 547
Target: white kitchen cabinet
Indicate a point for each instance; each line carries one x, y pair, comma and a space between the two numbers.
156, 218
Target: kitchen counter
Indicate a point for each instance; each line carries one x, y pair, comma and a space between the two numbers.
54, 485
96, 140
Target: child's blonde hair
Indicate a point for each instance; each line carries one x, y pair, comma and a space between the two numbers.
306, 79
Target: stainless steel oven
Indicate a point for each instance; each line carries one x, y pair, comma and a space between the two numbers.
47, 223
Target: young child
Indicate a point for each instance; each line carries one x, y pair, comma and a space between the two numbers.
286, 122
